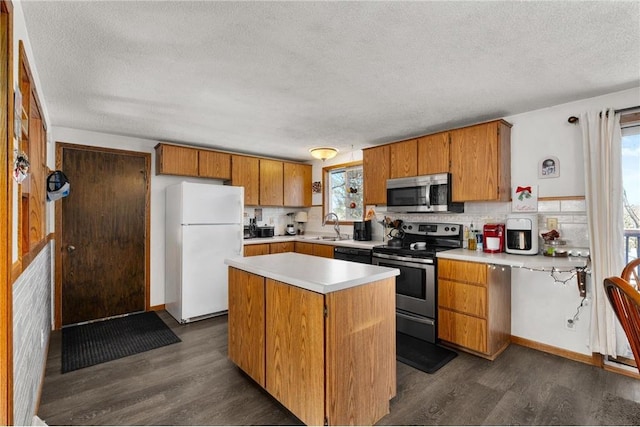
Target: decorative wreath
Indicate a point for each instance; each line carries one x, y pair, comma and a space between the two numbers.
21, 166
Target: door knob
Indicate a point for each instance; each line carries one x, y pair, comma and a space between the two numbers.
71, 248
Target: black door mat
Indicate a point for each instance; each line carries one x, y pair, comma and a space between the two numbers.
102, 341
422, 355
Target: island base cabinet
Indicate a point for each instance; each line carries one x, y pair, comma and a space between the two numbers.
246, 323
328, 358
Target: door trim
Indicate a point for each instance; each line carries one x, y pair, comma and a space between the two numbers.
6, 222
60, 147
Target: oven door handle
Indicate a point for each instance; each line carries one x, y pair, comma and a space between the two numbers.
406, 261
426, 321
428, 195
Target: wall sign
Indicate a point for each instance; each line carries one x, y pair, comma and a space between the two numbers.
549, 167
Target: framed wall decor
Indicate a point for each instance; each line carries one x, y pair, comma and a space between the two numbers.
549, 167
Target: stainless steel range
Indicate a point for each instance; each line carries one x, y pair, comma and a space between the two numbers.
416, 286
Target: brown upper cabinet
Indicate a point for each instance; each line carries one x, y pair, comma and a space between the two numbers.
403, 157
188, 161
375, 168
245, 172
433, 154
297, 184
213, 164
481, 162
271, 183
176, 160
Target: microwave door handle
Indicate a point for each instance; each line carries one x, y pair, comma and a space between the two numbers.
428, 195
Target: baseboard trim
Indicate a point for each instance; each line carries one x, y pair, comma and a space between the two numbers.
594, 360
156, 307
44, 371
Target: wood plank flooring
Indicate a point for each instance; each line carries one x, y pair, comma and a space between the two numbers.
193, 383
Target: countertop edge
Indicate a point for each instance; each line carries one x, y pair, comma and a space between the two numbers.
520, 261
245, 264
362, 244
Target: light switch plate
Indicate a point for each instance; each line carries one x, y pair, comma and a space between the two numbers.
552, 223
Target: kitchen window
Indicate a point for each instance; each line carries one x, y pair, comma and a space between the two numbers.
343, 191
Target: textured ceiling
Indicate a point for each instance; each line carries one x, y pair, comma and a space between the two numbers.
275, 79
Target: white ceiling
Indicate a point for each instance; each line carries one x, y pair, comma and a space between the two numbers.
276, 79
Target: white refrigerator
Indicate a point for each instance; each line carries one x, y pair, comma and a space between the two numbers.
203, 226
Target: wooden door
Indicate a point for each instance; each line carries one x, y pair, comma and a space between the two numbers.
173, 160
271, 183
402, 159
246, 340
297, 184
375, 168
433, 154
295, 350
245, 172
213, 164
103, 233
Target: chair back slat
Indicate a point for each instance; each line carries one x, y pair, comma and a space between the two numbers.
625, 301
630, 272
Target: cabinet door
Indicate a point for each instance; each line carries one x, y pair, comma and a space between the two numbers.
375, 168
462, 271
256, 249
304, 248
325, 251
433, 154
403, 159
271, 183
245, 172
462, 297
297, 184
480, 162
277, 248
212, 164
295, 350
246, 323
174, 160
361, 353
463, 330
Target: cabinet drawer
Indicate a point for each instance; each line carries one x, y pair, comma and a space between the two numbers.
469, 299
462, 271
258, 249
466, 331
277, 248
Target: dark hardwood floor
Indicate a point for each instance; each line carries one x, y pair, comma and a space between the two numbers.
193, 383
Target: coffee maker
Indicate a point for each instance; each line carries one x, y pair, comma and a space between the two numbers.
522, 234
493, 238
362, 230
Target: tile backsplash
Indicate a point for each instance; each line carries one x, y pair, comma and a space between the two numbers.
570, 214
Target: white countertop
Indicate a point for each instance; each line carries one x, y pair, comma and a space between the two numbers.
317, 274
523, 261
308, 238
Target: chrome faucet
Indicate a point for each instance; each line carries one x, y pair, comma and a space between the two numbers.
336, 222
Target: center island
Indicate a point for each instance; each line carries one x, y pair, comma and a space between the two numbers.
317, 333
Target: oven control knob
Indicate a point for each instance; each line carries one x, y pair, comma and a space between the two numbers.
446, 229
453, 229
411, 227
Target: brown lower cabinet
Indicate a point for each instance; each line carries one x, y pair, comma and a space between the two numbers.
327, 358
316, 249
474, 306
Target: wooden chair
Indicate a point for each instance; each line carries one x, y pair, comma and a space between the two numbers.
631, 271
625, 300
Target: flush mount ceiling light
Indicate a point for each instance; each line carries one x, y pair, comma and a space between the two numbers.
323, 153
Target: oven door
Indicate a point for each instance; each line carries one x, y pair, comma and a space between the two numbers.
415, 286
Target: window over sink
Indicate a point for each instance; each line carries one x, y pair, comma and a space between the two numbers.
343, 191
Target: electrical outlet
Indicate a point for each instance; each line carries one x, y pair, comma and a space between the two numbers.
552, 223
570, 324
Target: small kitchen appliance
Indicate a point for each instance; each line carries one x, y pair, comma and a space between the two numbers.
522, 234
264, 231
362, 230
493, 238
291, 228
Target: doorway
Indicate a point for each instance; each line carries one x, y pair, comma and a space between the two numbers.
102, 228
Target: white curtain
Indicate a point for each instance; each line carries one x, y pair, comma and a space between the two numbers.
601, 137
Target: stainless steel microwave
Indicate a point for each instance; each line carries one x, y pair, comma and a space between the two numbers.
427, 193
